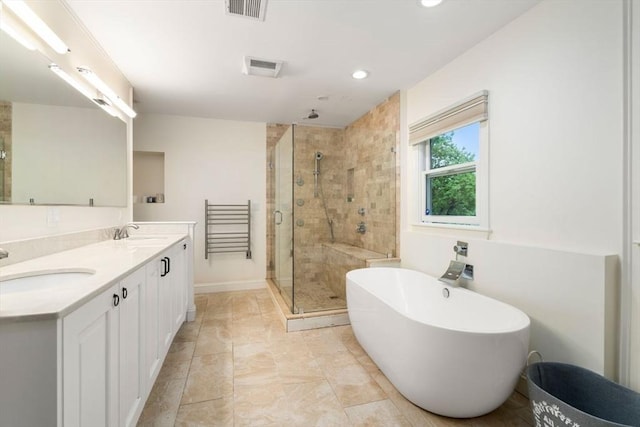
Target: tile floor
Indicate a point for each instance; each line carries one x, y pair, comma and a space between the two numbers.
312, 297
236, 366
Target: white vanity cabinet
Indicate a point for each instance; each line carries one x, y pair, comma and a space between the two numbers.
179, 284
96, 365
132, 379
103, 377
89, 354
172, 293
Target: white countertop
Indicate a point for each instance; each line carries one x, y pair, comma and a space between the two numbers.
112, 261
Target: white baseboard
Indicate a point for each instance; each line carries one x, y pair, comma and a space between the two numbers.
207, 288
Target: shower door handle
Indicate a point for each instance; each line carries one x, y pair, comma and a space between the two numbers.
276, 212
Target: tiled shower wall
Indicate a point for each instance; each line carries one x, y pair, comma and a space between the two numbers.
368, 148
371, 144
5, 165
310, 227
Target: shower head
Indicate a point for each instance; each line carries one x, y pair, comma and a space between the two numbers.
313, 115
319, 155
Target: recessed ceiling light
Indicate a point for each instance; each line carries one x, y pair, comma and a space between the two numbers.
430, 3
360, 74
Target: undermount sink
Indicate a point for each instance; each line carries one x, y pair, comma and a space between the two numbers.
40, 280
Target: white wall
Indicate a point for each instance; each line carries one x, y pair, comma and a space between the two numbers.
554, 77
220, 160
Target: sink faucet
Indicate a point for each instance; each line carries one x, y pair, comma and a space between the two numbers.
3, 253
123, 233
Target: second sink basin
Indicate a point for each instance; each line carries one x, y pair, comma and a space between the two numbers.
40, 280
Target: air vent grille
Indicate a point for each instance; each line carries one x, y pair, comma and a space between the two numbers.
261, 67
252, 9
263, 64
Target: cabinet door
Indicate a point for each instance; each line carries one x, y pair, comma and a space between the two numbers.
89, 362
178, 283
165, 306
153, 359
132, 323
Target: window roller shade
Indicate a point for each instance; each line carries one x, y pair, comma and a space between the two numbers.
470, 110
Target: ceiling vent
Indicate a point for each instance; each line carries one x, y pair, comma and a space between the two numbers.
261, 67
252, 9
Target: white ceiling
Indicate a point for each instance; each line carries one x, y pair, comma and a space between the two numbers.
184, 57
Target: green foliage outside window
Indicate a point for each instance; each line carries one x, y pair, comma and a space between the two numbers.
454, 194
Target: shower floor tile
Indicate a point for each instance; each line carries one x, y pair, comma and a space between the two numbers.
312, 297
235, 366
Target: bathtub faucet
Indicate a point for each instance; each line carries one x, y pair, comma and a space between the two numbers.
457, 270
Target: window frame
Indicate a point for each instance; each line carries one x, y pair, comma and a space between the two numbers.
481, 165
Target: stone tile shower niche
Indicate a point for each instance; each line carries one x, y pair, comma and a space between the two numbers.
321, 184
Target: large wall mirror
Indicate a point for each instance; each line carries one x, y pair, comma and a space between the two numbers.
56, 146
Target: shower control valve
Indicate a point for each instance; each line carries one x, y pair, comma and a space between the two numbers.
361, 228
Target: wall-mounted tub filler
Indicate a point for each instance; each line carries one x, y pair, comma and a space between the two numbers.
457, 270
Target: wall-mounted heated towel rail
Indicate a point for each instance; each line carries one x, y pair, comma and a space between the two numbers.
227, 229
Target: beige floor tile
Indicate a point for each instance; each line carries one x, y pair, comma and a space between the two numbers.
180, 351
163, 403
219, 298
236, 365
314, 404
248, 330
274, 330
188, 331
382, 413
253, 364
215, 339
245, 305
173, 370
323, 342
350, 381
299, 369
210, 377
414, 414
218, 311
211, 413
219, 321
260, 405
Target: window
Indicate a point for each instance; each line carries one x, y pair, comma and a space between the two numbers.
449, 176
452, 149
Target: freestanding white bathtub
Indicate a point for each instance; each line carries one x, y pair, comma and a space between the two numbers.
458, 356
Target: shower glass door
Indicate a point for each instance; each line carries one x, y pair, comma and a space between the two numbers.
283, 216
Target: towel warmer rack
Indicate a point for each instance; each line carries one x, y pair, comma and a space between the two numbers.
227, 229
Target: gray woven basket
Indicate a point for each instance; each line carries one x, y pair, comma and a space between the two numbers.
570, 396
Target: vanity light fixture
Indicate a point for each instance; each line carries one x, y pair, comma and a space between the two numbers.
106, 90
10, 30
360, 74
430, 3
83, 90
33, 21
